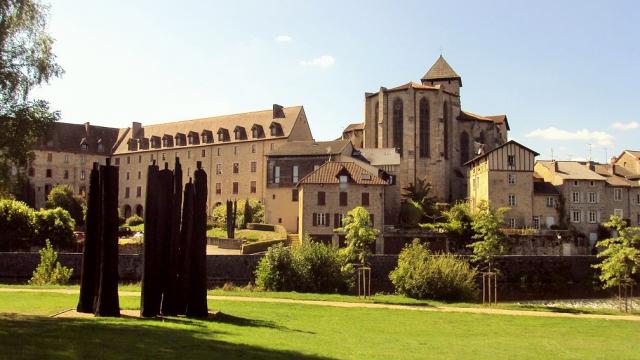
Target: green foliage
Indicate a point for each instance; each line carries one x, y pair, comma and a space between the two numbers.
62, 196
50, 271
218, 216
410, 214
458, 221
421, 275
16, 225
247, 214
309, 267
135, 220
418, 193
490, 240
621, 254
359, 233
56, 226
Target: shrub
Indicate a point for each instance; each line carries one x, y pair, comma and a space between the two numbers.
219, 214
134, 220
50, 271
62, 196
410, 214
310, 267
16, 225
55, 225
421, 275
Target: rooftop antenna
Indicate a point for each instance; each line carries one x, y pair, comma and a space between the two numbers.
551, 154
590, 148
440, 50
606, 154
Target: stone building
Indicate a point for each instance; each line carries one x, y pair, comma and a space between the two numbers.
627, 165
66, 157
354, 133
328, 193
433, 135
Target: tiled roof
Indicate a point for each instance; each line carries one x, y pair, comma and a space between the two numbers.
544, 188
380, 156
310, 148
572, 170
329, 172
613, 180
498, 119
247, 120
440, 70
415, 85
495, 149
68, 137
354, 126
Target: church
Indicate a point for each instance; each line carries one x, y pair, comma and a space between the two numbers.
426, 125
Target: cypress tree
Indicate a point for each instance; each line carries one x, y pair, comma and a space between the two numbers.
186, 249
107, 302
151, 295
91, 255
197, 301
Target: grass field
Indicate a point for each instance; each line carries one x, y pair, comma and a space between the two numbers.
280, 331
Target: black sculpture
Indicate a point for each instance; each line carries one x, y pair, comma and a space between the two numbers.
151, 294
89, 280
197, 295
232, 212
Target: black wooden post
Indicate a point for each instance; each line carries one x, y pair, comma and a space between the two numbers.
90, 256
165, 201
186, 248
197, 302
151, 296
170, 300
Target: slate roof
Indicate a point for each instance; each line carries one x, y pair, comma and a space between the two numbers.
380, 156
68, 137
613, 180
495, 149
544, 188
498, 119
354, 126
328, 173
311, 148
441, 70
572, 170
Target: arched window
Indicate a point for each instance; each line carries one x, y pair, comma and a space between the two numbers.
424, 128
481, 138
139, 210
464, 147
398, 125
127, 211
445, 129
375, 124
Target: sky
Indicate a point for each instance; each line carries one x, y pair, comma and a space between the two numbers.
564, 72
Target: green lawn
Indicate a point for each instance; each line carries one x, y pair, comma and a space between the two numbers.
284, 331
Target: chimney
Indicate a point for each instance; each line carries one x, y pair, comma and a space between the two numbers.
135, 129
87, 129
591, 165
612, 165
278, 111
554, 167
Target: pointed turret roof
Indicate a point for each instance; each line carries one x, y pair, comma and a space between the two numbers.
441, 70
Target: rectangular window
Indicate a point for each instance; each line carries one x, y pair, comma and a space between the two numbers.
49, 157
276, 175
236, 168
320, 219
592, 183
235, 187
295, 173
511, 160
49, 173
337, 220
128, 160
343, 198
512, 200
218, 169
618, 212
617, 194
66, 174
592, 197
83, 159
536, 222
139, 159
218, 188
235, 150
188, 154
203, 153
117, 161
139, 191
294, 195
126, 192
321, 198
139, 175
575, 183
365, 199
253, 148
511, 222
575, 216
592, 217
575, 197
219, 151
253, 187
66, 158
371, 220
128, 175
550, 201
638, 199
82, 175
511, 178
164, 156
254, 166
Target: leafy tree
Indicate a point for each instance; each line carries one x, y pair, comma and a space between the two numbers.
458, 221
247, 214
411, 214
490, 240
621, 254
50, 271
62, 196
16, 225
56, 226
218, 217
359, 234
419, 193
26, 61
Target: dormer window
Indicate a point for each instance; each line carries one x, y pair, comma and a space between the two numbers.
223, 134
207, 136
193, 138
344, 179
257, 132
144, 143
167, 141
133, 145
100, 146
83, 145
240, 133
181, 139
155, 142
276, 129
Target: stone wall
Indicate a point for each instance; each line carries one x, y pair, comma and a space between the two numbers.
524, 277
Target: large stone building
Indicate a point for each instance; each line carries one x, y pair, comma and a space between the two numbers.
433, 135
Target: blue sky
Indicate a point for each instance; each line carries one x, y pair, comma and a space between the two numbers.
565, 72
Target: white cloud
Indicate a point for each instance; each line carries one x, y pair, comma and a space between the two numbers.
552, 133
283, 38
322, 61
625, 126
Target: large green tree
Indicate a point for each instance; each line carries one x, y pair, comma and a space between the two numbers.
489, 238
620, 255
26, 61
359, 233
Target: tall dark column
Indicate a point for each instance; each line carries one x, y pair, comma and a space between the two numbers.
197, 302
186, 248
165, 202
151, 295
170, 300
89, 279
107, 302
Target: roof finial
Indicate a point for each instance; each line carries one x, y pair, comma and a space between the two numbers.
440, 50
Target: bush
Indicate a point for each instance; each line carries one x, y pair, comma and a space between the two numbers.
410, 214
421, 275
57, 226
50, 271
310, 267
16, 225
219, 214
62, 196
134, 220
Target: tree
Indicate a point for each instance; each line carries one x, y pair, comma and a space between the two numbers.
50, 271
419, 193
26, 61
621, 254
359, 233
490, 240
62, 196
458, 221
